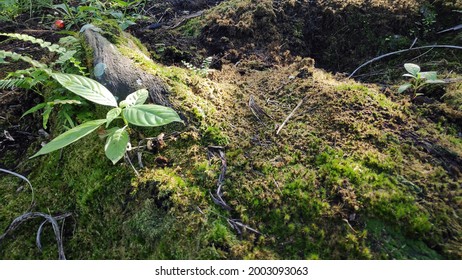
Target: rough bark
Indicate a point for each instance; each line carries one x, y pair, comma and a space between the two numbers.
121, 76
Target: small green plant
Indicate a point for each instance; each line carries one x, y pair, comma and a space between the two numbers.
428, 18
124, 12
39, 74
10, 9
64, 55
203, 70
132, 110
418, 79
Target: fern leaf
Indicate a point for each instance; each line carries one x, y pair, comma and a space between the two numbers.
16, 56
65, 57
44, 44
11, 83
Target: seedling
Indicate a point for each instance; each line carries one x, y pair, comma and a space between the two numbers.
418, 79
132, 110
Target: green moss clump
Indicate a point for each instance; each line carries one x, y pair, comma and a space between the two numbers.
214, 136
192, 28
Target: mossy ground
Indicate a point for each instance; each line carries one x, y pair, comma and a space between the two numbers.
357, 172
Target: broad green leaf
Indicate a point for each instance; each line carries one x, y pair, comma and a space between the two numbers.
136, 98
70, 137
150, 115
117, 15
436, 81
125, 24
65, 57
431, 75
121, 3
108, 132
412, 68
112, 115
51, 103
403, 88
116, 145
34, 109
87, 9
86, 88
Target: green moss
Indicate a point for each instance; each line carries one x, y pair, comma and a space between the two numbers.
340, 181
214, 136
192, 28
393, 244
361, 94
190, 93
111, 30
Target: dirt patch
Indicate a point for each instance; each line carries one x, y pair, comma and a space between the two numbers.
337, 34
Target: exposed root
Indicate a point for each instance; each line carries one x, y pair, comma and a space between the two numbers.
48, 218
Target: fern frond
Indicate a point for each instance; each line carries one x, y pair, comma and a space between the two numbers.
206, 63
76, 63
74, 44
44, 44
15, 56
203, 70
70, 42
12, 83
24, 78
65, 57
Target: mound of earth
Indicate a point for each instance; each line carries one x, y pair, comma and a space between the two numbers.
278, 159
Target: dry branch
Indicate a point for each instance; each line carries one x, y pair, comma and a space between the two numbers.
289, 116
402, 51
25, 179
218, 196
48, 218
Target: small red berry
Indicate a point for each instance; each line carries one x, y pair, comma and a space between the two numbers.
59, 24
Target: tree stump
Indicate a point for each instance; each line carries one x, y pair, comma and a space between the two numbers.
119, 73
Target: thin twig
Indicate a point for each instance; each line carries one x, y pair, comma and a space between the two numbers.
277, 186
257, 110
420, 55
413, 43
127, 158
218, 199
455, 28
289, 116
25, 179
348, 223
39, 233
184, 19
238, 223
234, 223
402, 51
48, 218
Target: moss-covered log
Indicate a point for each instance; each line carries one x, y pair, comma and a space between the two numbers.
119, 73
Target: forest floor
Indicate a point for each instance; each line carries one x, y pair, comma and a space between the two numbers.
311, 164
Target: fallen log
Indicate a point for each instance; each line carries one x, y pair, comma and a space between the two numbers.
118, 72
